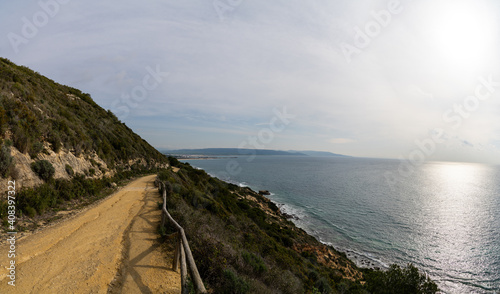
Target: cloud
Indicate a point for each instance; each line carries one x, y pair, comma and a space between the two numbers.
230, 74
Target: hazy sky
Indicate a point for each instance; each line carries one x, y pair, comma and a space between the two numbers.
411, 79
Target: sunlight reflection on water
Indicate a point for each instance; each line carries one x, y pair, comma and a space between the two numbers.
444, 218
456, 226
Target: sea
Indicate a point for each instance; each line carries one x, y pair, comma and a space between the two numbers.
443, 217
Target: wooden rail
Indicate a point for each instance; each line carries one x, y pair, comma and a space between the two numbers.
182, 250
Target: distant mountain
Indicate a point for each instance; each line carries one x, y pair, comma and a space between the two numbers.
229, 151
320, 153
237, 151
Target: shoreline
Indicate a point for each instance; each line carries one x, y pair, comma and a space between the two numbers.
200, 157
361, 260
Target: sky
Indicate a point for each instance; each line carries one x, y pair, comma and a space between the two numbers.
414, 80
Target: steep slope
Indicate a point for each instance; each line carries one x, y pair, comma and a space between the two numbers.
242, 243
43, 120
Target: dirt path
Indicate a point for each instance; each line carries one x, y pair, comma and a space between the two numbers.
110, 248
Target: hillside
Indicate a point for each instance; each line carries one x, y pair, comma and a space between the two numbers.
64, 151
43, 120
242, 243
242, 152
321, 153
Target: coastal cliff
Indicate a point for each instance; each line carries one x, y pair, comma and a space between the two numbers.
64, 152
243, 243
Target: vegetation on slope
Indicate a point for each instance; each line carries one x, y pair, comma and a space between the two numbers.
39, 117
35, 109
41, 203
242, 244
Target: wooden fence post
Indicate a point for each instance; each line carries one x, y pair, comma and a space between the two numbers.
184, 286
177, 253
182, 252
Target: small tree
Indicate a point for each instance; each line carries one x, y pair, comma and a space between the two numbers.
174, 161
6, 161
43, 169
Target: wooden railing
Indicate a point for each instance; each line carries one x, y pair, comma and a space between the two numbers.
182, 250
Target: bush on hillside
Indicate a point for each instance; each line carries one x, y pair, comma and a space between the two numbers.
400, 280
6, 161
56, 193
37, 110
69, 170
43, 169
36, 148
174, 161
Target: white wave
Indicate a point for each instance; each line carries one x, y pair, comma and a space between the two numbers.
361, 259
292, 210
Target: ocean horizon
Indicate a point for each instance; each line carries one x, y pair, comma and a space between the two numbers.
443, 217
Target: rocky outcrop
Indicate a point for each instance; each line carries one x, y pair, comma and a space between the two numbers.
80, 165
22, 172
83, 164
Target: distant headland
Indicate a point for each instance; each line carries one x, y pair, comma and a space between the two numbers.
208, 153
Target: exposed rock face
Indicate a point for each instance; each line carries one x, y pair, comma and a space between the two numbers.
25, 177
290, 216
80, 165
23, 174
264, 192
327, 256
39, 116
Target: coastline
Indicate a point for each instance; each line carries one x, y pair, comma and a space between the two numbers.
361, 260
306, 243
199, 157
356, 220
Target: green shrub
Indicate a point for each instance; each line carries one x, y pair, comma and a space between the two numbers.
174, 161
6, 161
69, 170
52, 194
55, 142
163, 175
233, 284
255, 262
43, 169
323, 286
21, 141
30, 211
406, 280
36, 148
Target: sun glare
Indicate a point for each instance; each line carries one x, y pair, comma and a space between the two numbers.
463, 32
455, 179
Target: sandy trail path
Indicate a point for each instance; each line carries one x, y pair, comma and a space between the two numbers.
110, 248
